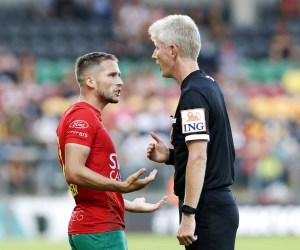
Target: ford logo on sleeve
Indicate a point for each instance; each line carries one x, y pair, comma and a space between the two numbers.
79, 124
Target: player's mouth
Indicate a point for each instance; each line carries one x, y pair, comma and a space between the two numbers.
118, 92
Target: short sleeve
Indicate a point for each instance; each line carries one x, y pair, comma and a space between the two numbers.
194, 112
81, 127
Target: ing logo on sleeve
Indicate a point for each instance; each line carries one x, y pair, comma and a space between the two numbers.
193, 120
193, 117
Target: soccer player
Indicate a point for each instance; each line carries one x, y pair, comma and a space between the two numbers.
89, 161
203, 153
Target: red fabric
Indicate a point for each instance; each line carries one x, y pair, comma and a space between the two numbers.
95, 211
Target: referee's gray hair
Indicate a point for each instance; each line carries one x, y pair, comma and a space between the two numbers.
179, 30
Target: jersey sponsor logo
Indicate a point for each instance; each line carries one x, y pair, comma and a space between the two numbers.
115, 168
85, 135
193, 120
77, 215
79, 124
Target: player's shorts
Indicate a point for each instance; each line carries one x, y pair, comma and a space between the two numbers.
114, 240
217, 220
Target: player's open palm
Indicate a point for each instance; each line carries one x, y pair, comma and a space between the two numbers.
157, 152
134, 183
140, 206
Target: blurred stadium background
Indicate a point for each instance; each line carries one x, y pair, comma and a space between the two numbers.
251, 47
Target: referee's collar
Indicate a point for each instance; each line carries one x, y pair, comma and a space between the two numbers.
187, 79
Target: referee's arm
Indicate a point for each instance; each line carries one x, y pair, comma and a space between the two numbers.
195, 171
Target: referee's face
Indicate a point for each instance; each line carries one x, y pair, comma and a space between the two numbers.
163, 57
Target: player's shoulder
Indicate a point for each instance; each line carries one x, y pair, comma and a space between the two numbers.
80, 114
80, 108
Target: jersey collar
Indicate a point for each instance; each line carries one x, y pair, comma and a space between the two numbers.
187, 79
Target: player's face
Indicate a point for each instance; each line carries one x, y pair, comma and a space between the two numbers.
109, 82
163, 57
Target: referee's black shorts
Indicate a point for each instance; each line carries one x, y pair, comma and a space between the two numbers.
217, 220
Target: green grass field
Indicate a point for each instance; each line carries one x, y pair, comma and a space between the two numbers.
156, 242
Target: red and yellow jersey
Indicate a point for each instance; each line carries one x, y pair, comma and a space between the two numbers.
95, 211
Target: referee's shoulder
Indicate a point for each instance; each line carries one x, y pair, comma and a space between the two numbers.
200, 82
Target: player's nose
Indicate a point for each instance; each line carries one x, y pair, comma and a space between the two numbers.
120, 82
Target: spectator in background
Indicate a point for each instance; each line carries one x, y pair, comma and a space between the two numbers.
289, 8
18, 178
27, 67
66, 9
282, 40
132, 18
8, 66
208, 57
100, 8
291, 77
41, 8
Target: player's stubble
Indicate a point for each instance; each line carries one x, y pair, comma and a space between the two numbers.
106, 94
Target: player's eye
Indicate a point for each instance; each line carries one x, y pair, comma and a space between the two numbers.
115, 75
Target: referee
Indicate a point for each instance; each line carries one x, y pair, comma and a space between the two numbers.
203, 153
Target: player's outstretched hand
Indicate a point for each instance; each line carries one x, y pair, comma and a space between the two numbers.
134, 183
139, 205
157, 152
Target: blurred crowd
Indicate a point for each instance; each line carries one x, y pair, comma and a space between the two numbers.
260, 83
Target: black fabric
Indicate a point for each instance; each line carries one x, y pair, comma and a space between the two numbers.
217, 221
171, 157
199, 91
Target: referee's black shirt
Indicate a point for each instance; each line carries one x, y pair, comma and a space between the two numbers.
201, 114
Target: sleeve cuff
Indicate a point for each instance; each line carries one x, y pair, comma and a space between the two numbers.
197, 137
170, 161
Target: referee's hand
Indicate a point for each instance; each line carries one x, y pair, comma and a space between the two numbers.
186, 232
158, 151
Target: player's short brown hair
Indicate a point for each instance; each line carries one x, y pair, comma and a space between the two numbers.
88, 61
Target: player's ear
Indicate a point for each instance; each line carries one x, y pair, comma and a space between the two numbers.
90, 81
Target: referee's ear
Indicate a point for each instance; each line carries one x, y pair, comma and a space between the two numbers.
174, 50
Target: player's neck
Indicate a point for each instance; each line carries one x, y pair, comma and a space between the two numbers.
92, 100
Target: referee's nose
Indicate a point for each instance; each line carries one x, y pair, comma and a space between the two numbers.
154, 55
